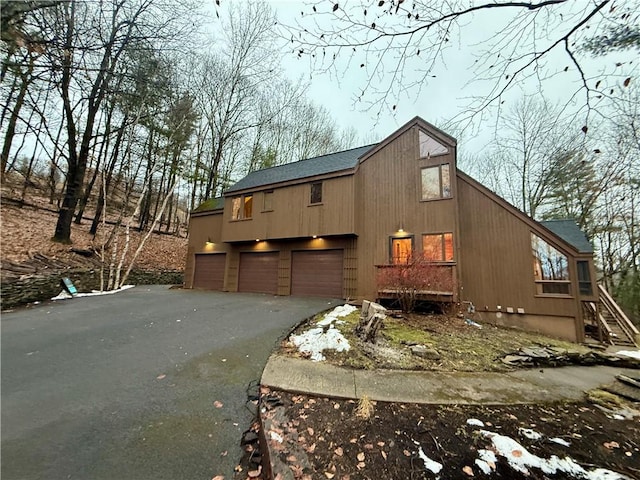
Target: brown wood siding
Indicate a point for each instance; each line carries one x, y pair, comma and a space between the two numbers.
388, 197
209, 271
498, 263
292, 215
205, 236
317, 273
285, 249
258, 272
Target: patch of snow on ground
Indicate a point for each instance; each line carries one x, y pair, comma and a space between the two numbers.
333, 315
521, 460
475, 422
484, 466
315, 340
429, 464
530, 434
63, 295
629, 353
560, 441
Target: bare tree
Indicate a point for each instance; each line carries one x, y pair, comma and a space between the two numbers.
402, 45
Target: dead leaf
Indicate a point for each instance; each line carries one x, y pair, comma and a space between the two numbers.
369, 446
353, 440
161, 376
384, 454
292, 459
224, 454
406, 453
336, 406
468, 470
310, 430
380, 444
516, 453
627, 81
329, 474
311, 448
360, 456
218, 477
338, 451
218, 404
611, 445
255, 473
360, 465
297, 470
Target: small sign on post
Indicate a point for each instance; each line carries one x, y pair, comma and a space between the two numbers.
68, 285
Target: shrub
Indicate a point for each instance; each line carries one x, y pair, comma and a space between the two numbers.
408, 281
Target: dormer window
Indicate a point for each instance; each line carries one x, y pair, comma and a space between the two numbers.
316, 193
242, 207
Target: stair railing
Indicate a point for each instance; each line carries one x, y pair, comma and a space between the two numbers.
619, 316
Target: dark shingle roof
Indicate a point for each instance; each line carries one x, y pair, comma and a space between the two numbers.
211, 204
333, 162
569, 231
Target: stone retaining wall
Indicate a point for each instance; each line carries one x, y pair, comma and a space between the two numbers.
38, 288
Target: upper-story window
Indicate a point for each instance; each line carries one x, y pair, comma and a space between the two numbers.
242, 207
550, 268
430, 147
316, 193
436, 182
267, 201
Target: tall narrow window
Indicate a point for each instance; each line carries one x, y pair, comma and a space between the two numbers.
316, 193
584, 278
268, 201
248, 206
235, 208
438, 247
401, 249
436, 182
550, 268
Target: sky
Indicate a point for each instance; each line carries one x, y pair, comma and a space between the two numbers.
447, 95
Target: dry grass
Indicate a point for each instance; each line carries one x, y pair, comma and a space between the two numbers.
365, 408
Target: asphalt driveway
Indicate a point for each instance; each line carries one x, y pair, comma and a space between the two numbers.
148, 383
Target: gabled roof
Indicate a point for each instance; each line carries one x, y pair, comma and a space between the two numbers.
211, 204
569, 231
311, 167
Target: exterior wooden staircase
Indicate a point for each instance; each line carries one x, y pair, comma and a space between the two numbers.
615, 326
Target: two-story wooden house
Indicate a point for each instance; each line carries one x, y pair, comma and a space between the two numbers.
327, 225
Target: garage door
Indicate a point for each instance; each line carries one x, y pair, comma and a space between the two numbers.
317, 273
209, 271
259, 272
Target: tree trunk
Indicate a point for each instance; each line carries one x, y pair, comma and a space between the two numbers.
13, 119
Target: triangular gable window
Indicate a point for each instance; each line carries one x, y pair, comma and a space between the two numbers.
430, 147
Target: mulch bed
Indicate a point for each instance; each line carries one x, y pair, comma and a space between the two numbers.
325, 438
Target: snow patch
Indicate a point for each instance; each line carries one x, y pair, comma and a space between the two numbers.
530, 434
520, 459
475, 422
484, 466
429, 464
94, 293
560, 441
629, 353
324, 336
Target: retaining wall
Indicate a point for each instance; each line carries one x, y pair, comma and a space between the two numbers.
38, 288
